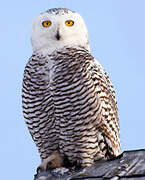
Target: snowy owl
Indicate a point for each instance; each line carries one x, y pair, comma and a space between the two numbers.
68, 99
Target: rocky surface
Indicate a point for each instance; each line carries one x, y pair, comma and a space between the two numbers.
130, 165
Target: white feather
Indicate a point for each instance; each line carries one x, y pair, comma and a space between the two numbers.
44, 39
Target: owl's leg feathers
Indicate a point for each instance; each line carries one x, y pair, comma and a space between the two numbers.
55, 160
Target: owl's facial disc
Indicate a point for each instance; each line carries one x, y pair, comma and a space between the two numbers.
55, 29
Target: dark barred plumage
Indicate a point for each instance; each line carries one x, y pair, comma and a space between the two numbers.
69, 106
59, 11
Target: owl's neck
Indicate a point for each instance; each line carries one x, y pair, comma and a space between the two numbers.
50, 50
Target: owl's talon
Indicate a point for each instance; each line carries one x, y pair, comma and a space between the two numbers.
55, 160
39, 169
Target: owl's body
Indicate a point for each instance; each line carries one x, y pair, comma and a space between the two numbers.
69, 104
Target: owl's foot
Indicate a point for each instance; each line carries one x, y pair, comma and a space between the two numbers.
55, 160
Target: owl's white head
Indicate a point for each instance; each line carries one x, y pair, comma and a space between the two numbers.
57, 28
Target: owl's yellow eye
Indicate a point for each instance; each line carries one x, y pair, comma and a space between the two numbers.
69, 23
46, 23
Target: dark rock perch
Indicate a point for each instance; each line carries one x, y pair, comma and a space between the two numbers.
128, 166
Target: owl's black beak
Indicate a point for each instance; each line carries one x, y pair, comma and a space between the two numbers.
57, 35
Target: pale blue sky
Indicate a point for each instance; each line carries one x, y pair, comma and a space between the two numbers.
117, 38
